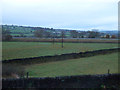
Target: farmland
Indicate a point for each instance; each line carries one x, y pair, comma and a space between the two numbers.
91, 65
13, 50
70, 40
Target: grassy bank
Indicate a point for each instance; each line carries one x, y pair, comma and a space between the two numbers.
91, 65
13, 50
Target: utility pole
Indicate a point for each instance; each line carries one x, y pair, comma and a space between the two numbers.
27, 75
108, 71
53, 38
62, 38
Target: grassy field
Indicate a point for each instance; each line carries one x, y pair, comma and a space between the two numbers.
91, 65
13, 50
67, 40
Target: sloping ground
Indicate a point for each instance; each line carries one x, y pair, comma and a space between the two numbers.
88, 65
109, 81
15, 50
61, 57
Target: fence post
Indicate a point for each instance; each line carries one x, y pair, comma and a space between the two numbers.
27, 74
108, 71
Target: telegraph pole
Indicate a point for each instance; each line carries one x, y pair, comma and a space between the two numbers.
53, 38
62, 39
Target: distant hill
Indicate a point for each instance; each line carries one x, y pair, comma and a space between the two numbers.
23, 30
114, 32
28, 31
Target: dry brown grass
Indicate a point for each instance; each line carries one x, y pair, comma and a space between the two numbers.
67, 40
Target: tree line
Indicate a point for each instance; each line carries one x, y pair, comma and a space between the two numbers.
21, 31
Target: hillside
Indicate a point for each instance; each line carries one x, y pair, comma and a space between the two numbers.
28, 31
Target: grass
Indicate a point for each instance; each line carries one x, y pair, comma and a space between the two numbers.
23, 34
13, 50
67, 40
91, 65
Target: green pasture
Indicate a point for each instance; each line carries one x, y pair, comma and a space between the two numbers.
90, 65
13, 50
28, 35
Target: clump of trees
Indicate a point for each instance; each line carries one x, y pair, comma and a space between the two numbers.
39, 33
27, 31
93, 34
63, 34
113, 36
107, 36
42, 33
74, 34
6, 35
88, 34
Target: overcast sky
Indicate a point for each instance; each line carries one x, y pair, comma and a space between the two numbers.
66, 14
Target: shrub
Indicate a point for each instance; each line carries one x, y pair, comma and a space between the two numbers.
8, 70
7, 38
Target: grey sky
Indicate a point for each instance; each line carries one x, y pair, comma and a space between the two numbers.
68, 14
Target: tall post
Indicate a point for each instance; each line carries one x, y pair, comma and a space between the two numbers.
108, 71
62, 39
53, 38
118, 31
27, 74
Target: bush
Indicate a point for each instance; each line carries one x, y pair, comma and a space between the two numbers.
7, 38
8, 70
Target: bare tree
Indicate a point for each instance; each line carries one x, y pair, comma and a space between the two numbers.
74, 33
39, 33
93, 34
47, 34
6, 35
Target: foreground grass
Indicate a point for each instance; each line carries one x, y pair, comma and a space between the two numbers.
91, 65
13, 50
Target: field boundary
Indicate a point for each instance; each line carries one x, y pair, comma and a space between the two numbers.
80, 81
65, 40
44, 59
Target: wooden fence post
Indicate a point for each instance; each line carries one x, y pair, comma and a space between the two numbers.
27, 74
108, 71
